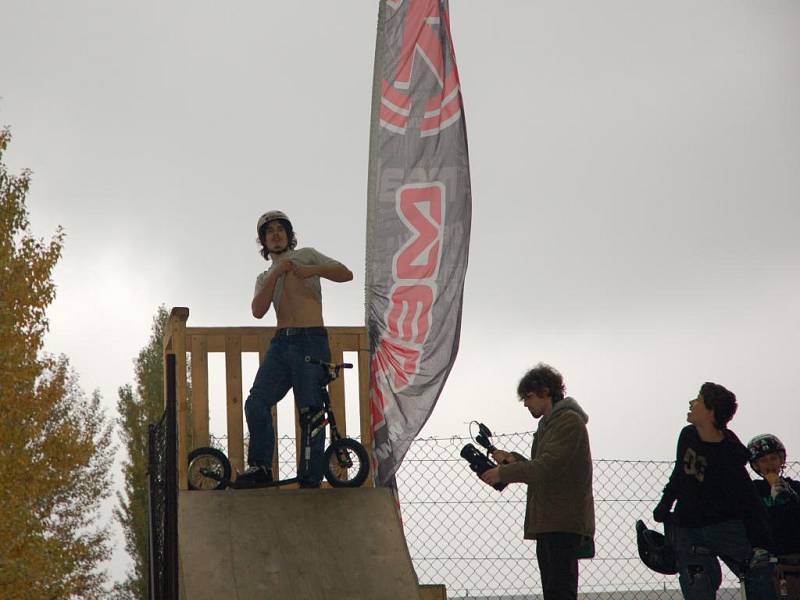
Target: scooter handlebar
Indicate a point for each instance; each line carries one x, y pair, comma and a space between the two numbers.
327, 365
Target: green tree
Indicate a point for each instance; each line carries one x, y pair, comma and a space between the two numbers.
55, 442
137, 410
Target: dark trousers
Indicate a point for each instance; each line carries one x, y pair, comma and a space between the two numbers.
699, 571
557, 554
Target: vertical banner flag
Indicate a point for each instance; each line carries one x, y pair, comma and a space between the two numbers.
419, 210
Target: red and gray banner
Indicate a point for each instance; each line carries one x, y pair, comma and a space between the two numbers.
418, 222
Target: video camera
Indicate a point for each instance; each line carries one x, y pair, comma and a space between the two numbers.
477, 461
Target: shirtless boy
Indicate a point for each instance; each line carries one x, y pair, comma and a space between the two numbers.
292, 286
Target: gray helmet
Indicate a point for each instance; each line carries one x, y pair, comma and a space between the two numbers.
271, 215
764, 444
656, 550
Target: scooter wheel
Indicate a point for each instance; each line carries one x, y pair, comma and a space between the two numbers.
346, 463
209, 469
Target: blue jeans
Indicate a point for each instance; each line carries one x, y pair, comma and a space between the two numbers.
285, 368
698, 550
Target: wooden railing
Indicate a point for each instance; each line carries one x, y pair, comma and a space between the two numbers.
198, 342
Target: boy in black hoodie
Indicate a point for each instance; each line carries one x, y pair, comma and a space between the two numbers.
718, 514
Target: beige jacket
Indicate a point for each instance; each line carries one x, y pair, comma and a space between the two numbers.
559, 474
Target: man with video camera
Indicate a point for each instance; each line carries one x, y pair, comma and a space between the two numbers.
560, 508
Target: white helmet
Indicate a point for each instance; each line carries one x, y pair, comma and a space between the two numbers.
271, 215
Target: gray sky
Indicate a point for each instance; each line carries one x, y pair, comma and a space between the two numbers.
635, 172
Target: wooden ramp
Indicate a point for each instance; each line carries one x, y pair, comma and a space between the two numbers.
313, 544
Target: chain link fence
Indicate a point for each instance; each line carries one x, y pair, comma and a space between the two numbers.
467, 536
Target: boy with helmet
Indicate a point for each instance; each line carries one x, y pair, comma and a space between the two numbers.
292, 286
718, 515
781, 497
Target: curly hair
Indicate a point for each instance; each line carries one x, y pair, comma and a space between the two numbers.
542, 378
720, 400
289, 235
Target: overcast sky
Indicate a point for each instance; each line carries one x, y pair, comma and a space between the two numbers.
635, 175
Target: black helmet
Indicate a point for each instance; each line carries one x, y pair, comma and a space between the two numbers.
655, 549
764, 444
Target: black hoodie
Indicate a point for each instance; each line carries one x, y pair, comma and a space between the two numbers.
711, 485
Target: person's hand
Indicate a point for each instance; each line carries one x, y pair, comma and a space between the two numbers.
491, 476
759, 558
283, 266
661, 512
504, 458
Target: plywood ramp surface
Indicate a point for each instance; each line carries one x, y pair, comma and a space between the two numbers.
317, 544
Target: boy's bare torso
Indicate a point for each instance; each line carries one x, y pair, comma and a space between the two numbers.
299, 306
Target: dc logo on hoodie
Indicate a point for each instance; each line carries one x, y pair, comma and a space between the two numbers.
694, 464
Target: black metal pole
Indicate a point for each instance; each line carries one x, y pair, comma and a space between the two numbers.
171, 500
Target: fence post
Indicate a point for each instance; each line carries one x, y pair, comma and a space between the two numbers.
171, 485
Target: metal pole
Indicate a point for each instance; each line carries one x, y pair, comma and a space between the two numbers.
171, 484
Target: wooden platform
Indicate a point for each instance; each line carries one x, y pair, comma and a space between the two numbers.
319, 544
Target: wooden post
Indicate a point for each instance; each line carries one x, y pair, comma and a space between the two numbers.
233, 378
175, 343
200, 435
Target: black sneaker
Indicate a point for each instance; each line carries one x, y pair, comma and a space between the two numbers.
309, 484
253, 477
